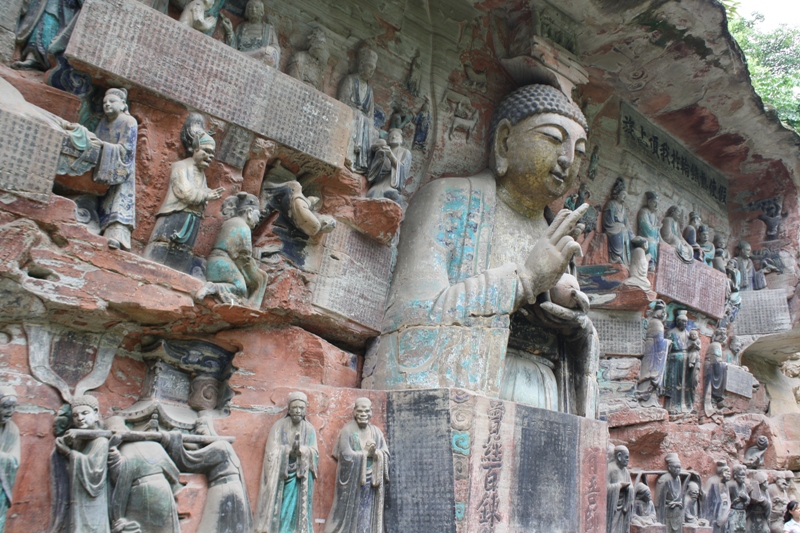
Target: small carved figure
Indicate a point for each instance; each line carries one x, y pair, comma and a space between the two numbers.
772, 217
735, 347
671, 234
760, 507
9, 450
733, 300
44, 24
227, 507
752, 279
361, 475
640, 261
669, 496
715, 373
740, 499
705, 250
86, 469
178, 219
296, 211
117, 168
356, 92
414, 75
691, 505
620, 497
615, 225
717, 503
754, 456
692, 367
232, 271
675, 383
145, 481
644, 512
255, 37
289, 472
780, 498
650, 227
594, 163
390, 167
422, 123
656, 347
690, 231
721, 253
309, 66
194, 15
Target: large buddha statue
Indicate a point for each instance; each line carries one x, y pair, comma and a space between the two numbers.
476, 254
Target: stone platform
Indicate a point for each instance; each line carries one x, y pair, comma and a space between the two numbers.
475, 464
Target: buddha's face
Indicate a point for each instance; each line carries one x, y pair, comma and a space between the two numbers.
366, 67
362, 413
652, 203
538, 160
297, 411
113, 105
254, 12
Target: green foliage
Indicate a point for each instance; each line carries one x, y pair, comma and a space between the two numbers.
773, 58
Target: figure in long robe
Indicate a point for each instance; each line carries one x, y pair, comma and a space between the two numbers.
654, 360
117, 168
361, 475
43, 23
717, 503
669, 496
620, 495
288, 474
615, 225
390, 167
675, 377
740, 499
760, 505
9, 451
671, 234
650, 227
255, 36
356, 92
751, 278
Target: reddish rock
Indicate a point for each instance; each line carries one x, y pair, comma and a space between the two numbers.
631, 417
60, 103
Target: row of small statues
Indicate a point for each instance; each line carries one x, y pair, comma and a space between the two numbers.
670, 364
110, 479
725, 505
640, 253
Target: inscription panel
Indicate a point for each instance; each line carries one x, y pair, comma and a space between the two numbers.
29, 152
353, 278
235, 146
129, 41
420, 496
9, 13
763, 312
547, 480
739, 381
693, 284
619, 332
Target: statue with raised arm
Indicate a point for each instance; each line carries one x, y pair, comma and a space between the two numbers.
9, 451
390, 167
453, 294
255, 37
290, 469
361, 475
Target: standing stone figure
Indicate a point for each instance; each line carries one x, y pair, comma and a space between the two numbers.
145, 481
752, 279
289, 472
717, 503
671, 234
733, 300
620, 496
390, 167
117, 168
309, 66
594, 163
9, 451
779, 497
232, 271
254, 37
615, 225
669, 496
692, 368
705, 250
356, 92
87, 470
675, 378
644, 512
640, 261
690, 232
361, 475
691, 505
453, 299
227, 508
715, 374
754, 456
422, 123
178, 219
721, 253
650, 227
654, 360
414, 75
740, 499
760, 507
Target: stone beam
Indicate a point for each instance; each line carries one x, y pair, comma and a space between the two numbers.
133, 44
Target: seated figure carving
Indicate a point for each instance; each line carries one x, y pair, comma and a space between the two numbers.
474, 251
255, 36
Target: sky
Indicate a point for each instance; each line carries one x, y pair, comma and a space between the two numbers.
775, 11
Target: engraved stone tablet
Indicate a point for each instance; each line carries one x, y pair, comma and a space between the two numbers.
131, 43
739, 381
9, 13
763, 312
693, 284
29, 152
353, 279
235, 146
619, 332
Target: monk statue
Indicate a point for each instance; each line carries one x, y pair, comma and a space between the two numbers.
449, 312
752, 278
361, 475
9, 450
717, 503
620, 495
669, 496
615, 225
355, 91
650, 227
390, 167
